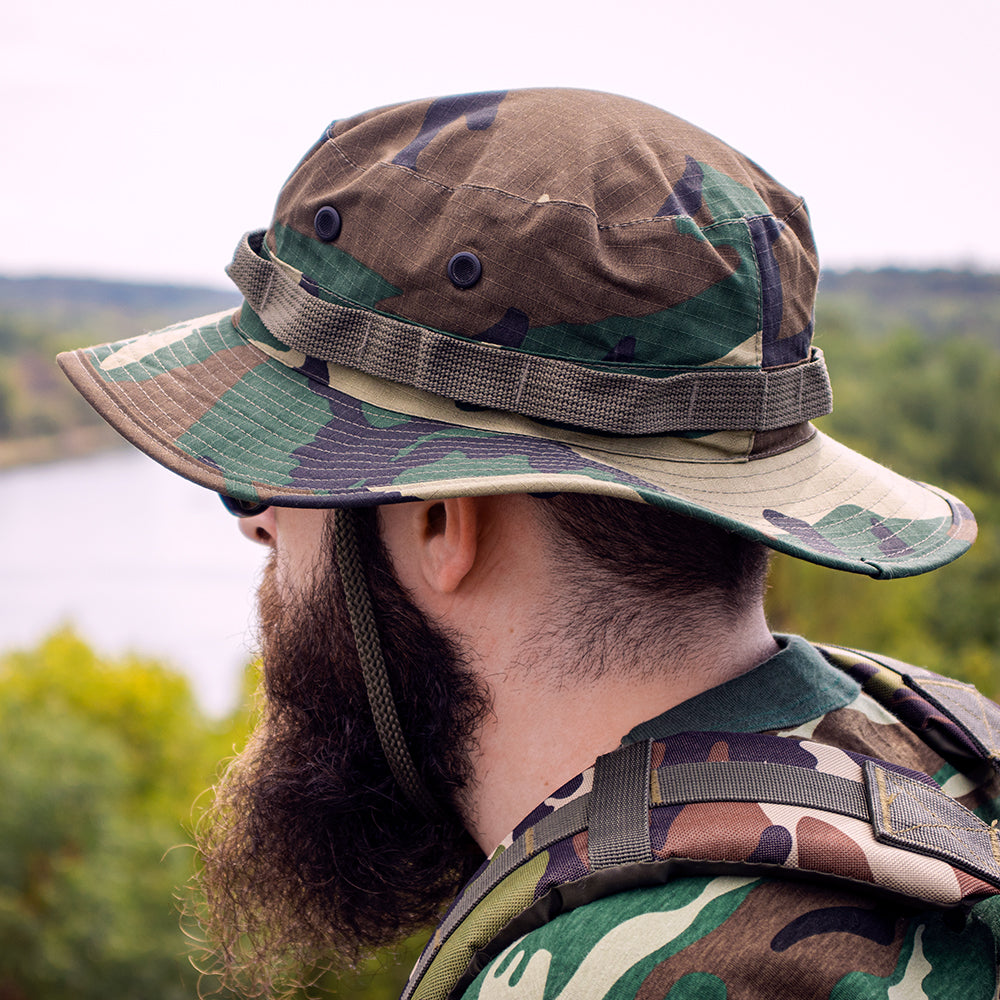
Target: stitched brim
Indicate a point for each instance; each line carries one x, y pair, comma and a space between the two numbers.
258, 423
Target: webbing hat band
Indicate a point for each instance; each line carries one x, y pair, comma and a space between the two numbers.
548, 389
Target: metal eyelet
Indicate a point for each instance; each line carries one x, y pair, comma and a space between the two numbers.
464, 269
327, 223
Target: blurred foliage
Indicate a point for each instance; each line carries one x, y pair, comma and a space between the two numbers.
927, 407
97, 764
941, 303
100, 763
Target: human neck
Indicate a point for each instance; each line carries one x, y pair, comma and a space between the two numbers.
545, 728
485, 569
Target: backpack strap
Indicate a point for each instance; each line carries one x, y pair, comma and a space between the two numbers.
954, 719
789, 805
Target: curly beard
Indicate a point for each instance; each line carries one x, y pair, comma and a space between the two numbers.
311, 854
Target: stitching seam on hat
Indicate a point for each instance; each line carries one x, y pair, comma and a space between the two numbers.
560, 202
800, 205
759, 321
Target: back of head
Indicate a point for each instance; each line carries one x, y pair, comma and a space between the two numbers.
637, 579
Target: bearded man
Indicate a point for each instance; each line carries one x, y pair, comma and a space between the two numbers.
520, 398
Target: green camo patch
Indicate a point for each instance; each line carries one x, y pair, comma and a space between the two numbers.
603, 935
332, 269
887, 535
142, 358
221, 436
376, 416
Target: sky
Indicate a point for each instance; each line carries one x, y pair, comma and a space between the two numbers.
142, 140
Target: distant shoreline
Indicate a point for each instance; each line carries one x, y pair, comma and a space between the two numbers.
78, 442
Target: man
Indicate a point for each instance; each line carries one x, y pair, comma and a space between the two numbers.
520, 399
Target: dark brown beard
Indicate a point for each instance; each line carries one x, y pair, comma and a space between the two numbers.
311, 855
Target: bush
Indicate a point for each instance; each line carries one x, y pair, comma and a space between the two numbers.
100, 763
96, 771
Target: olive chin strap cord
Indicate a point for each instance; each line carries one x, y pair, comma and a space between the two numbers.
373, 670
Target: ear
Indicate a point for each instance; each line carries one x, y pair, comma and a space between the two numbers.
433, 544
449, 541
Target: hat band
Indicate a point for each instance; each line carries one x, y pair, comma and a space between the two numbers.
498, 378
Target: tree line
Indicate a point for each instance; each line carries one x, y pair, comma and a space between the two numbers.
927, 408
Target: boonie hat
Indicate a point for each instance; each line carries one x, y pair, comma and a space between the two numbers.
526, 291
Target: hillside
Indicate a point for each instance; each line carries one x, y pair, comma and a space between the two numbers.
938, 303
42, 418
42, 293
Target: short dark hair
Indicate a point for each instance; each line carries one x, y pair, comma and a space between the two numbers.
639, 574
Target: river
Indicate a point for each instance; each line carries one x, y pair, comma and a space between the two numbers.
136, 559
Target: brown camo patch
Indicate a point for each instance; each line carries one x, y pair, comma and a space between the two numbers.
852, 730
573, 245
173, 413
824, 848
726, 831
739, 952
799, 273
575, 272
970, 886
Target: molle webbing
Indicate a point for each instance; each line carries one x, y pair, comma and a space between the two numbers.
541, 388
619, 808
614, 830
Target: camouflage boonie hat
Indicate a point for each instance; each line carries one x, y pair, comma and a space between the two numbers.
525, 291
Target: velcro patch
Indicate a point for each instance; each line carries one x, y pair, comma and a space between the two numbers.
921, 818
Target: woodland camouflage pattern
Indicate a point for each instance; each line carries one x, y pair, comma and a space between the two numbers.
642, 328
740, 935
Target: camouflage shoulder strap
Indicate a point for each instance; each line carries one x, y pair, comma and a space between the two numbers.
614, 828
952, 718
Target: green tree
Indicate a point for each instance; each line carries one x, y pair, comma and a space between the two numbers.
99, 764
927, 407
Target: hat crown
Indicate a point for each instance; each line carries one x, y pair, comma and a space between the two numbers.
588, 211
597, 232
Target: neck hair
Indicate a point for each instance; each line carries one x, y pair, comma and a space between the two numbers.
645, 591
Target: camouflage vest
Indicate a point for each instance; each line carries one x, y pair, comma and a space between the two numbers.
607, 830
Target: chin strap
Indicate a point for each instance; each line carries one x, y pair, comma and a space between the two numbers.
373, 670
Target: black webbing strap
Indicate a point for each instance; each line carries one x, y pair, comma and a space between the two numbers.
619, 808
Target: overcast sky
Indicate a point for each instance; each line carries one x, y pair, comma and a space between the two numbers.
141, 140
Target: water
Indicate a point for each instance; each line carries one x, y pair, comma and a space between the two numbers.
135, 559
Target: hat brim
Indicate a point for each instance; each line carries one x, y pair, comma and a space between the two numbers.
262, 423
